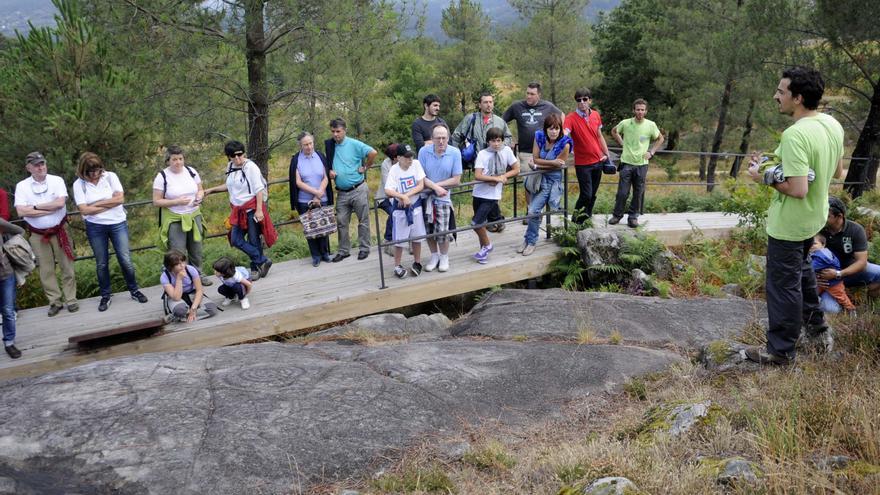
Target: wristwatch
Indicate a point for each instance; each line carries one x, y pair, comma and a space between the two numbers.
837, 274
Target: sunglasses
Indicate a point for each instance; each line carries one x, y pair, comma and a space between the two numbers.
237, 153
39, 188
579, 100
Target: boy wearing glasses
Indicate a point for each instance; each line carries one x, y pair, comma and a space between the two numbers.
40, 201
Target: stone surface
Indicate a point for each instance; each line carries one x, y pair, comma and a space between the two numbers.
392, 324
559, 314
271, 418
724, 355
833, 462
612, 485
737, 471
682, 418
733, 290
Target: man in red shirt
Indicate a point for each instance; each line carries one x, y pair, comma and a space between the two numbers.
584, 125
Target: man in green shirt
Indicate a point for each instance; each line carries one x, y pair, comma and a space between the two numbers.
635, 136
810, 153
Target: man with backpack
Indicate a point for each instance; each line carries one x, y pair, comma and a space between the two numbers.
473, 127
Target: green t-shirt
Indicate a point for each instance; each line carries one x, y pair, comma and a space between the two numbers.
811, 143
637, 138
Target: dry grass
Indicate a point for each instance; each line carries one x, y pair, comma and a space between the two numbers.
782, 419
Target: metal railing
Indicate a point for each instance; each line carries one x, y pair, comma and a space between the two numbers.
461, 189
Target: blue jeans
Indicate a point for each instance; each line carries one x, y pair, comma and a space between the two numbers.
551, 192
253, 246
386, 206
99, 237
870, 275
7, 307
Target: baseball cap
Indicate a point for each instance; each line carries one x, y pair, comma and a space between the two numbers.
836, 205
34, 158
405, 150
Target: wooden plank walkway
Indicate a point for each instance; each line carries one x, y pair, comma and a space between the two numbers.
296, 296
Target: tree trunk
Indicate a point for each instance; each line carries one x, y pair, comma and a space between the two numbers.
864, 172
258, 92
719, 133
672, 140
746, 138
704, 143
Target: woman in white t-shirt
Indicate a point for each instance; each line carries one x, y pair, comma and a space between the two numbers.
99, 197
178, 192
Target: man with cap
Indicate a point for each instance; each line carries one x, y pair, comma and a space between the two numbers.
40, 201
847, 240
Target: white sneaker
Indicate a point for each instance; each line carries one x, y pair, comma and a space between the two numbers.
444, 263
245, 304
435, 260
226, 302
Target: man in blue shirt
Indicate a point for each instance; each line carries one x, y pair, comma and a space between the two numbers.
351, 159
442, 165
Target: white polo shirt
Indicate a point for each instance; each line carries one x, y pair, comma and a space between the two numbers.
30, 192
86, 193
238, 180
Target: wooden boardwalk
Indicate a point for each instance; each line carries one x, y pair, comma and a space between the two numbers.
296, 296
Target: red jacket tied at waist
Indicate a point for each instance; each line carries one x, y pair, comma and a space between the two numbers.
58, 230
238, 218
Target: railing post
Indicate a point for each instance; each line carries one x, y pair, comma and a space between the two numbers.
515, 181
565, 197
379, 240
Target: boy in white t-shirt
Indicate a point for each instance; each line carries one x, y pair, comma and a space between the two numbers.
405, 180
493, 167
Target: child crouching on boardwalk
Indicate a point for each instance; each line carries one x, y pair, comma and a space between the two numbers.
234, 282
183, 294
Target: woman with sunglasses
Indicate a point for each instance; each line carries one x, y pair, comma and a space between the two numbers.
40, 201
99, 197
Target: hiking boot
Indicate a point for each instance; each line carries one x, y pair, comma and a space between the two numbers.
255, 275
339, 257
522, 247
399, 271
54, 309
528, 250
13, 351
73, 307
264, 268
416, 269
362, 255
139, 296
632, 222
615, 219
760, 355
104, 304
817, 338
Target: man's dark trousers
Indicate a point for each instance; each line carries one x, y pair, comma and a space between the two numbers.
634, 175
792, 300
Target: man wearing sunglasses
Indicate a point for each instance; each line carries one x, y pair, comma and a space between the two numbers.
584, 125
40, 201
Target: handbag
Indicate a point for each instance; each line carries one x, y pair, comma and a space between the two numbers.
608, 167
318, 221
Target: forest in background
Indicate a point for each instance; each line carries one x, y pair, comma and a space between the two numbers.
124, 78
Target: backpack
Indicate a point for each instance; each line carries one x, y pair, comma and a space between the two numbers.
186, 295
231, 170
469, 152
21, 257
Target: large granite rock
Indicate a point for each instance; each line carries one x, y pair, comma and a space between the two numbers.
274, 418
560, 314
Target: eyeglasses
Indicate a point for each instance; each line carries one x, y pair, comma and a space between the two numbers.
96, 170
39, 187
585, 98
